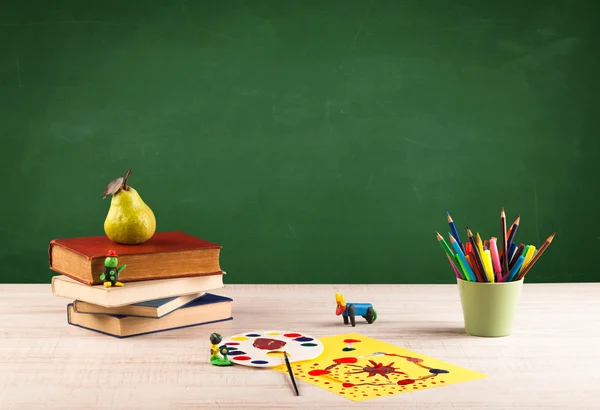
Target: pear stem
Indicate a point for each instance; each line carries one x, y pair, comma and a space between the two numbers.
125, 187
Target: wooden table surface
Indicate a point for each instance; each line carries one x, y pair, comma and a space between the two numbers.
552, 360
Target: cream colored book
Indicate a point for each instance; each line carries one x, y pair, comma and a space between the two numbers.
134, 292
153, 308
201, 311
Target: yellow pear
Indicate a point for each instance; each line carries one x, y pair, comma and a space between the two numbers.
129, 221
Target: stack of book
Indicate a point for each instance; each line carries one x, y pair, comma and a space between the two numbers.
165, 283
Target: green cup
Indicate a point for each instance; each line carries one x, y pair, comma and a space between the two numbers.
489, 309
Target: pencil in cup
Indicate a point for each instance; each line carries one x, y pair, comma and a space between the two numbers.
535, 258
450, 255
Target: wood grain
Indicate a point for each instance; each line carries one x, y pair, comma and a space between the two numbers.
550, 362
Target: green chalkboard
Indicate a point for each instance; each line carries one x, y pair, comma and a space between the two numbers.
317, 141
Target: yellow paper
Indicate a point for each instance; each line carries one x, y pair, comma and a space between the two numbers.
373, 369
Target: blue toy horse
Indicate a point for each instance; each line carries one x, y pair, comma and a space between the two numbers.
351, 310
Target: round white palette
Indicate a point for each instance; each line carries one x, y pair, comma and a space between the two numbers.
265, 348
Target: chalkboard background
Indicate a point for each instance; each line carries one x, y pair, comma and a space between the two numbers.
317, 141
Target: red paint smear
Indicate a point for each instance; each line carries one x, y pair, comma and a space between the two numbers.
232, 344
241, 358
292, 335
433, 383
405, 381
346, 360
316, 364
347, 385
318, 372
341, 392
391, 392
378, 394
326, 382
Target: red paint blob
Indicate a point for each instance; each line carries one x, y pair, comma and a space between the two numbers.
347, 385
232, 344
292, 335
326, 382
378, 394
405, 381
265, 343
318, 372
345, 360
414, 360
433, 383
241, 358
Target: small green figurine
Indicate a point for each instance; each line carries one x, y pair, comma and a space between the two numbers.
111, 273
215, 339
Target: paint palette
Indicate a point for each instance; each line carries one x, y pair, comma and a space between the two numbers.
265, 348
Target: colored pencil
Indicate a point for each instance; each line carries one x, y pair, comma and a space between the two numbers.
486, 244
444, 245
471, 261
289, 368
511, 253
477, 251
518, 253
487, 263
508, 234
504, 242
513, 272
456, 270
449, 254
463, 260
468, 247
528, 255
479, 243
460, 264
526, 269
454, 231
513, 231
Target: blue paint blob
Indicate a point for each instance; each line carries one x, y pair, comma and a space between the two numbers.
231, 348
259, 362
303, 339
252, 335
438, 371
236, 353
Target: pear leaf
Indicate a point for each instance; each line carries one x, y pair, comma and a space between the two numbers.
113, 187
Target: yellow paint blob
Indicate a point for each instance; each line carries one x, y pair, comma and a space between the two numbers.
277, 353
273, 333
239, 338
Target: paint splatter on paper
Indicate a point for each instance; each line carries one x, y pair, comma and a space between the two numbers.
375, 369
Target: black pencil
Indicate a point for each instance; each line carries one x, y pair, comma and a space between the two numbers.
289, 368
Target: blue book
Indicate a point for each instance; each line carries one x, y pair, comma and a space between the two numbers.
208, 308
153, 308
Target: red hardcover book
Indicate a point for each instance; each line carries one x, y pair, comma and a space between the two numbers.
166, 255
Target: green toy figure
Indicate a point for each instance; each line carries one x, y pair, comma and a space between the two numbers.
215, 360
111, 273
